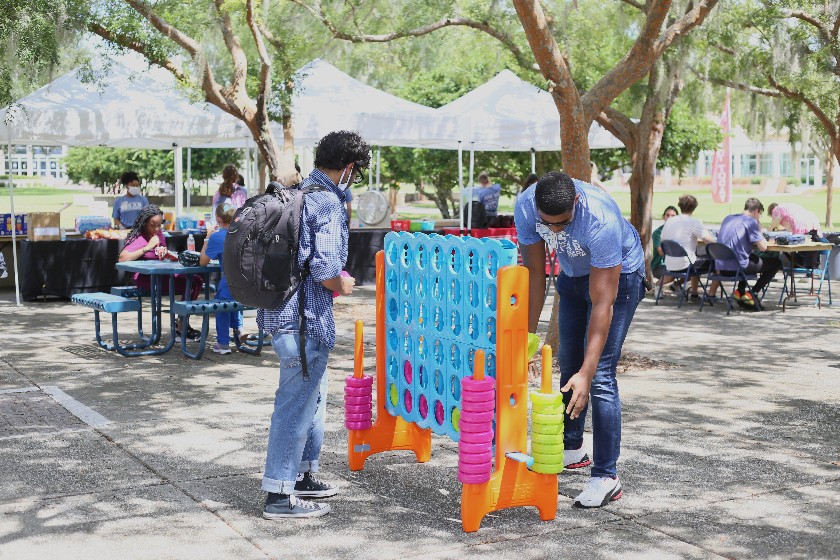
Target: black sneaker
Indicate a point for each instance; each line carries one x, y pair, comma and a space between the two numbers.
193, 334
282, 506
311, 486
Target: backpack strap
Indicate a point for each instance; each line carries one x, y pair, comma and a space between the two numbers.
304, 274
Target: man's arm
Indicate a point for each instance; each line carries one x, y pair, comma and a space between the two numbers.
761, 245
533, 257
603, 288
349, 212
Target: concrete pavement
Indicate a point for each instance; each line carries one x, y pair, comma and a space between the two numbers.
730, 449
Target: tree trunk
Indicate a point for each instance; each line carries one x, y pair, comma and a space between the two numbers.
280, 160
662, 93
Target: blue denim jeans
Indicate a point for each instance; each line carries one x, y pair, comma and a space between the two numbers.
300, 406
573, 318
224, 321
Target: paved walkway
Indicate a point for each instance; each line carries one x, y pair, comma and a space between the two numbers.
731, 448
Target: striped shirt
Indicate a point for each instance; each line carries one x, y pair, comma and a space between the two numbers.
323, 238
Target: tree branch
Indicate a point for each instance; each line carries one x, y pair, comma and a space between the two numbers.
736, 85
802, 15
212, 91
635, 64
138, 47
637, 5
645, 51
691, 19
620, 126
815, 109
265, 59
234, 46
521, 58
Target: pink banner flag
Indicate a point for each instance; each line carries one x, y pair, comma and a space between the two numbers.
721, 166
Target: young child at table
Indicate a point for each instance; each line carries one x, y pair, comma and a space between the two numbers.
214, 247
145, 241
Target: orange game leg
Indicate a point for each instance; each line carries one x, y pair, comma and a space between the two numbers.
511, 484
388, 433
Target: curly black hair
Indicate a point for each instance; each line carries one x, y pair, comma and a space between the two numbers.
142, 219
338, 149
555, 193
128, 177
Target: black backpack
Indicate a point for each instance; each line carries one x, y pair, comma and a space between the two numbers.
260, 255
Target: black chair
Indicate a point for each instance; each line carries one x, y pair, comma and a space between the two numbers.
674, 249
720, 252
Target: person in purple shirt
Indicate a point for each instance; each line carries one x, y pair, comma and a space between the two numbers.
742, 234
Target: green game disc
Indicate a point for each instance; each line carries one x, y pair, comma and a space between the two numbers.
393, 394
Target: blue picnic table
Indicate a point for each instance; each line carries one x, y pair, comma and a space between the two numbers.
157, 271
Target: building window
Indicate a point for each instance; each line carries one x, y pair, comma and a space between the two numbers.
749, 165
784, 165
766, 165
707, 164
52, 165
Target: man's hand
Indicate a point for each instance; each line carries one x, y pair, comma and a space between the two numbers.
347, 283
579, 386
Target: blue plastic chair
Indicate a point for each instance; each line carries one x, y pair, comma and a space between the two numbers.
823, 272
720, 252
674, 249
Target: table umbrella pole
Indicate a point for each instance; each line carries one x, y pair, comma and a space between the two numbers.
14, 224
189, 179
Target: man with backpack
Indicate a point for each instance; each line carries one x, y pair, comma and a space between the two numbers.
303, 341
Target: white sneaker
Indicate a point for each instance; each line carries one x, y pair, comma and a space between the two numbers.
575, 459
598, 492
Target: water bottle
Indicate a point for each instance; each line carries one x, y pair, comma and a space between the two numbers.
191, 243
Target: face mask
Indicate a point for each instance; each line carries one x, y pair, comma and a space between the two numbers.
134, 191
344, 186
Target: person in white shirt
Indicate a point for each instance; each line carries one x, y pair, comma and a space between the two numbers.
687, 231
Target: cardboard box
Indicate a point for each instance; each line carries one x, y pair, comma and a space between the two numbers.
22, 221
45, 226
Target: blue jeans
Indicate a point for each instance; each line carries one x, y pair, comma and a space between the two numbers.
224, 321
573, 318
300, 406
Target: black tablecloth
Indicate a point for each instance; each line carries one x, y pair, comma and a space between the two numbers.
361, 254
64, 268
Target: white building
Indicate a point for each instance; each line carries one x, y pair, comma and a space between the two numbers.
34, 161
774, 157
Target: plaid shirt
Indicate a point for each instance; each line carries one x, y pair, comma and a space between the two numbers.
323, 237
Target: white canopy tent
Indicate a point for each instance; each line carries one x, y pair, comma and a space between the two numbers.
511, 115
126, 105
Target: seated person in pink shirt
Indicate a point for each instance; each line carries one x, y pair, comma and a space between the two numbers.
793, 218
145, 241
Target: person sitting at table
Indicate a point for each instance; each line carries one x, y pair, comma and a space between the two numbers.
687, 230
214, 248
742, 234
145, 241
128, 206
793, 218
657, 263
229, 191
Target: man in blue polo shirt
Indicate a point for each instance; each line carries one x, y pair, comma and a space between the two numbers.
600, 285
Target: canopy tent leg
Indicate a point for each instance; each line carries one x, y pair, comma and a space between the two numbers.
472, 185
189, 179
378, 166
370, 174
248, 171
255, 169
460, 186
179, 181
533, 161
14, 225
